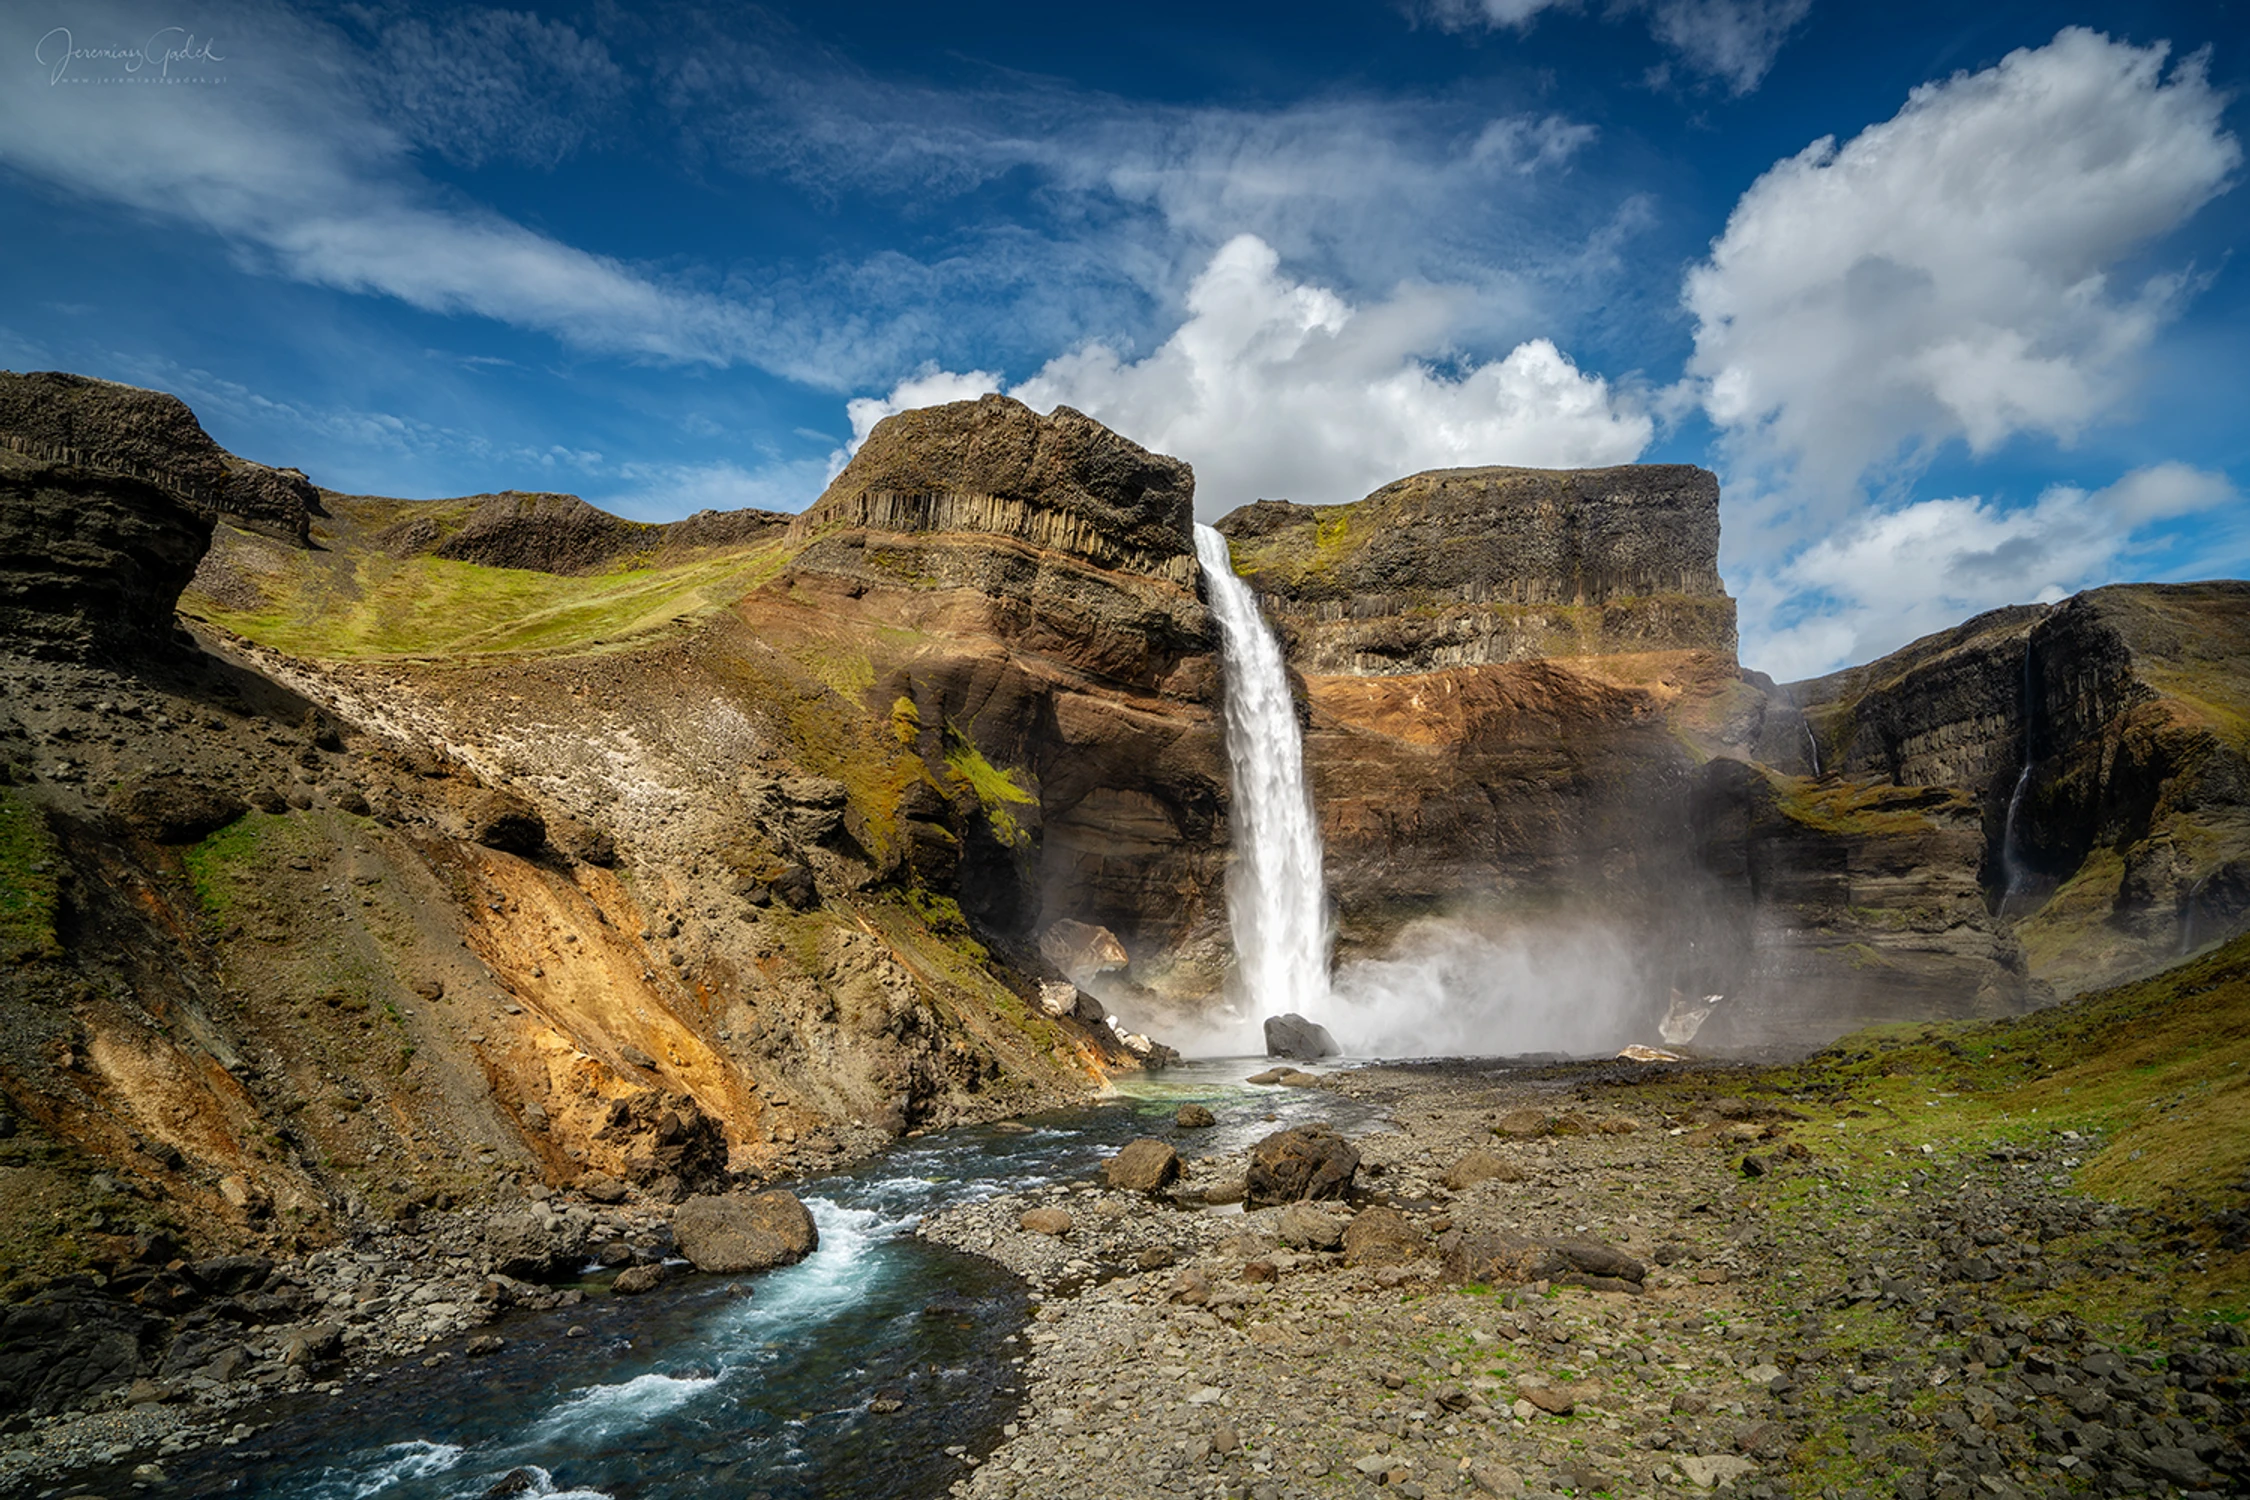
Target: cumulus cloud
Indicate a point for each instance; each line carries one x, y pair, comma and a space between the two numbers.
1951, 273
1732, 41
1278, 388
1890, 577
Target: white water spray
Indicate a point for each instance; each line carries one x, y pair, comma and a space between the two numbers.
1275, 897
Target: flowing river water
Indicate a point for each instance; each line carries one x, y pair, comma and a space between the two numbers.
760, 1387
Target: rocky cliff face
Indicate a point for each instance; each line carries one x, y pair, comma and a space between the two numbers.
1522, 698
153, 437
1468, 567
2128, 839
505, 875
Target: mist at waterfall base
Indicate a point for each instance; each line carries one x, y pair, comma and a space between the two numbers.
1449, 986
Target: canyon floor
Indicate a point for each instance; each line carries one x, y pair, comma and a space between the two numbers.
1986, 1260
1948, 1260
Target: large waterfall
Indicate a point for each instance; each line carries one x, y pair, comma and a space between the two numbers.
1275, 899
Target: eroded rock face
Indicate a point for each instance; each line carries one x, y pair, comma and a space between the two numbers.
1463, 567
154, 437
91, 564
1061, 482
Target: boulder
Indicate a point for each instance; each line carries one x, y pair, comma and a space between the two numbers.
1500, 1257
504, 821
1194, 1117
63, 1345
1521, 1124
1052, 1221
533, 1246
1308, 1228
1306, 1162
1143, 1166
634, 1280
729, 1233
1292, 1035
170, 808
1082, 950
1481, 1166
1382, 1237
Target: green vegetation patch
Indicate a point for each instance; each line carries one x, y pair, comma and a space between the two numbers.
388, 606
30, 882
2157, 1070
1868, 809
996, 790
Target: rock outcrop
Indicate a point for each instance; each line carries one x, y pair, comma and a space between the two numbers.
1467, 567
91, 564
82, 423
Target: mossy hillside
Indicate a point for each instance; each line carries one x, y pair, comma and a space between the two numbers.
996, 790
369, 605
30, 882
1867, 809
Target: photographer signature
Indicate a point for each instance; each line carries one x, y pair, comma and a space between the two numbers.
172, 46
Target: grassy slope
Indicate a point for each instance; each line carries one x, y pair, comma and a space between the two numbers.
361, 603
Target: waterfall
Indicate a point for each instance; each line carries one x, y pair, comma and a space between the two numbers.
1276, 902
2011, 861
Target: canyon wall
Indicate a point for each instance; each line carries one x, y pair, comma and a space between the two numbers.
442, 848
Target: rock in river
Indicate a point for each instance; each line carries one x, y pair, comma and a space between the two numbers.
1292, 1035
1142, 1167
728, 1233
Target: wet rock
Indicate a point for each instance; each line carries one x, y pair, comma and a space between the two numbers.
1143, 1166
1306, 1162
1291, 1035
62, 1345
1194, 1117
634, 1280
484, 1344
732, 1233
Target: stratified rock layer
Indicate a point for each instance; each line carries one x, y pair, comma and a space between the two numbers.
1463, 567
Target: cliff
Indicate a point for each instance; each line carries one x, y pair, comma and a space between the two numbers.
1468, 567
151, 436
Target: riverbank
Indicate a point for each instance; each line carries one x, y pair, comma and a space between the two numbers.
1838, 1300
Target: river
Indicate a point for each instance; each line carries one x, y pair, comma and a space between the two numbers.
760, 1387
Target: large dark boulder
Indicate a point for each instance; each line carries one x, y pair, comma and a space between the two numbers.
91, 564
1305, 1162
727, 1234
172, 808
1291, 1035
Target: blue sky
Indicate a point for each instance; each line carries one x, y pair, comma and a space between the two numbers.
1949, 301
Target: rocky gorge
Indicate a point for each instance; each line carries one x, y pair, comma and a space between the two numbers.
376, 870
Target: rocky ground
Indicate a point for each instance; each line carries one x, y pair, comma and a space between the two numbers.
1832, 1302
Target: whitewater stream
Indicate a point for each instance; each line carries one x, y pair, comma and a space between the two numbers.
696, 1389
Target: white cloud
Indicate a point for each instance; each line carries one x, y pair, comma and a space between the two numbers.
1734, 41
1951, 273
1891, 577
1278, 388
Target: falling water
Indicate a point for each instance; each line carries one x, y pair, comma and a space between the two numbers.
1275, 898
2011, 861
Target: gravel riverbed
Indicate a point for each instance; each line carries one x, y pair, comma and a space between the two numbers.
1903, 1336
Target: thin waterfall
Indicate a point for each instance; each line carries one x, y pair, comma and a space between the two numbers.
2011, 862
1276, 901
